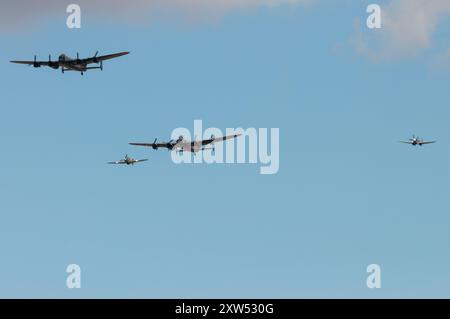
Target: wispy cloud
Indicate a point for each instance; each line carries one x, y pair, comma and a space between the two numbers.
25, 13
442, 61
408, 29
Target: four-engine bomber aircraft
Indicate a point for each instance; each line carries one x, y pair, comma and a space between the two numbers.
417, 141
128, 161
69, 64
180, 145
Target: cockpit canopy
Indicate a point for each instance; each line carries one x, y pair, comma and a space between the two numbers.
63, 58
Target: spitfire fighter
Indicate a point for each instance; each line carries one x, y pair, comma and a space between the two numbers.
417, 141
128, 161
70, 64
181, 145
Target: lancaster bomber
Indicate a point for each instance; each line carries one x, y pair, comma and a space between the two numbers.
71, 64
181, 145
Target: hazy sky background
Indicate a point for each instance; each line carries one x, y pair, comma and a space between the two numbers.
347, 194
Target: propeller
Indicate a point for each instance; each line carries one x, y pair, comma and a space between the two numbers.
213, 138
94, 58
170, 145
35, 64
52, 64
155, 147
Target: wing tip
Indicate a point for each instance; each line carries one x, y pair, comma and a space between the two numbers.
139, 144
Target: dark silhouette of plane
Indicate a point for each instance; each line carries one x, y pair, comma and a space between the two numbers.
70, 64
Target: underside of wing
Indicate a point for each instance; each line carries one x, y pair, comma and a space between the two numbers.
104, 57
37, 63
425, 143
73, 67
117, 162
220, 139
23, 62
142, 160
149, 144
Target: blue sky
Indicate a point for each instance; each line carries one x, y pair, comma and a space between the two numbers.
347, 193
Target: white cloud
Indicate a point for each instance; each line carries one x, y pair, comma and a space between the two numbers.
408, 29
15, 14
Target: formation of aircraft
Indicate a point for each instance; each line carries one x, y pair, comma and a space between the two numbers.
128, 161
71, 64
417, 141
181, 145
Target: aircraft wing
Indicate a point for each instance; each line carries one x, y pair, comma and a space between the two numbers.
424, 143
405, 142
219, 139
158, 145
103, 57
39, 63
142, 160
117, 162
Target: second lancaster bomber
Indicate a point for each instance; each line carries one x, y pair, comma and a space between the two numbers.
181, 145
70, 64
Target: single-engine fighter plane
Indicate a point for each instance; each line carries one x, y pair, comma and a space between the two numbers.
181, 145
128, 161
70, 64
417, 141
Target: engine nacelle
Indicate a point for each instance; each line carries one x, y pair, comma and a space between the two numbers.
170, 145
